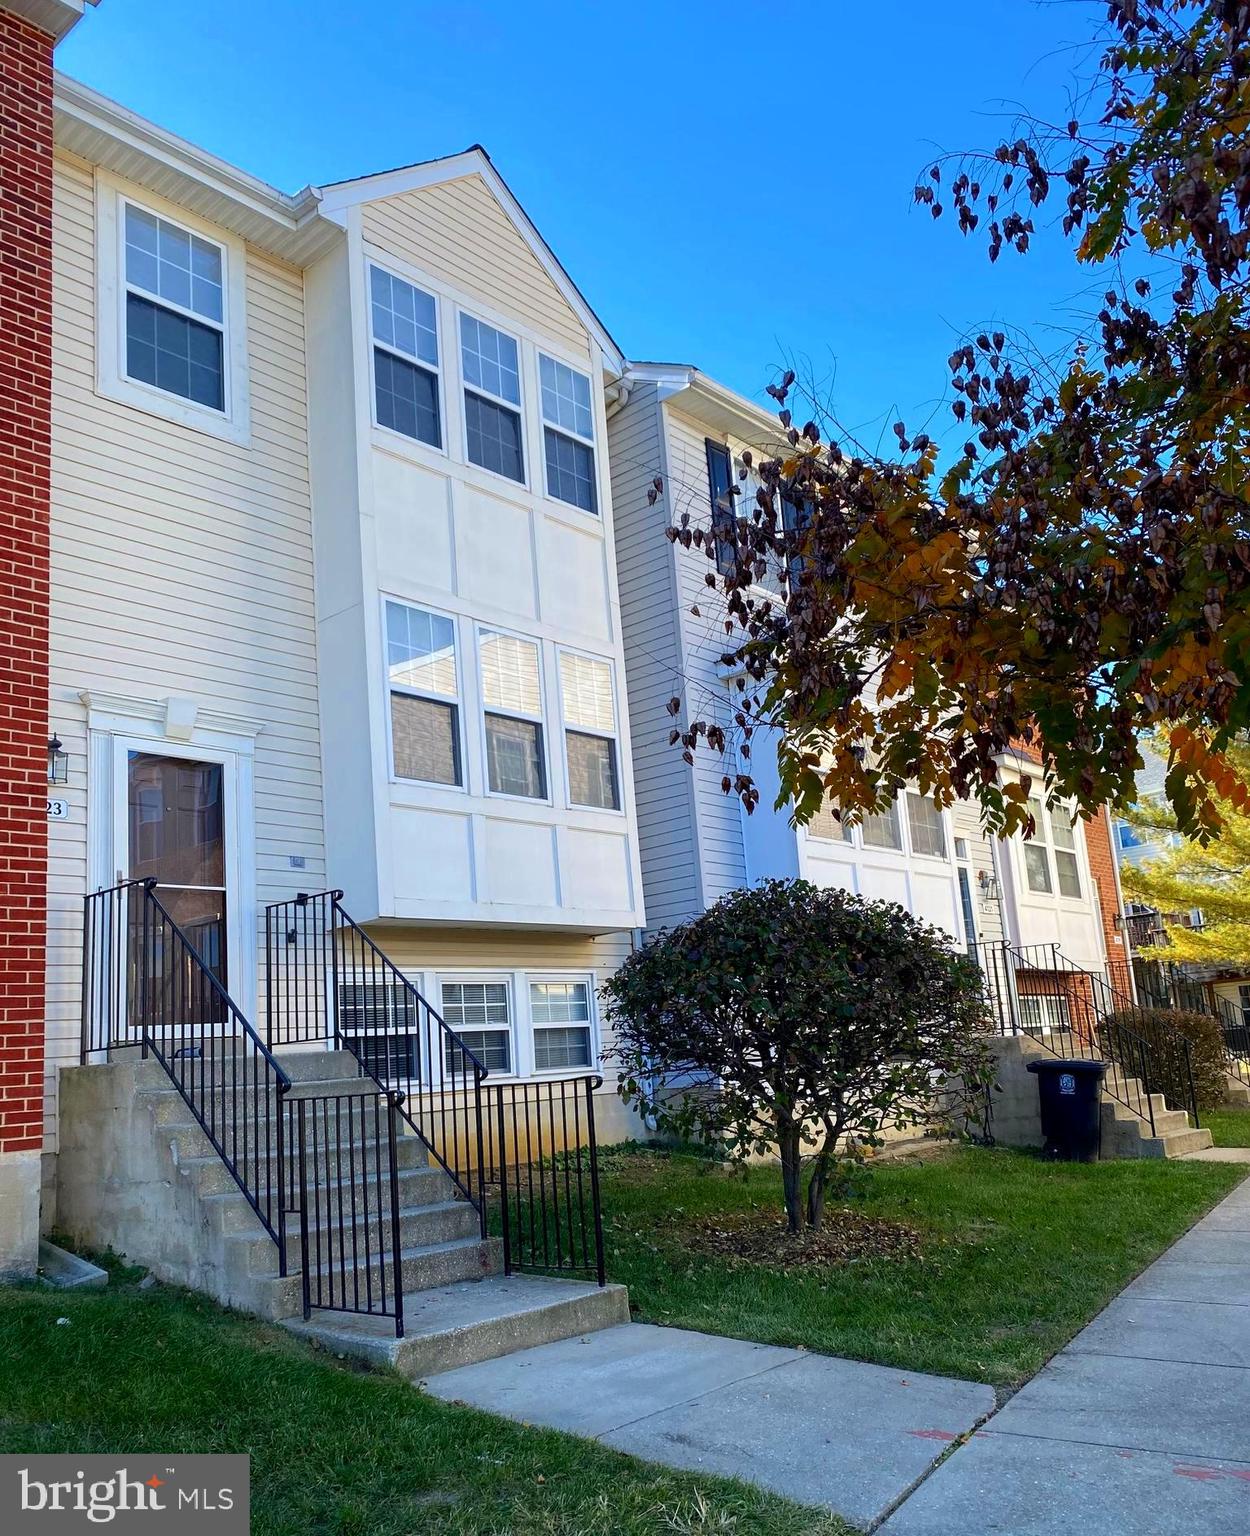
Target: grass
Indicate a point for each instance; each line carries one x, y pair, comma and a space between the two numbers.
1017, 1254
335, 1452
1228, 1127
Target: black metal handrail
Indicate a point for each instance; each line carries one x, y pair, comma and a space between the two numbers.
327, 979
344, 1186
146, 985
545, 1163
1165, 986
1074, 1012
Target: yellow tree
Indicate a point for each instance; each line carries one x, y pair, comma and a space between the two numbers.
1214, 877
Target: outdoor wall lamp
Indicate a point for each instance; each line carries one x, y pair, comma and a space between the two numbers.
58, 762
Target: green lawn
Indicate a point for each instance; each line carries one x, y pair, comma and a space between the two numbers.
1228, 1127
1016, 1255
334, 1452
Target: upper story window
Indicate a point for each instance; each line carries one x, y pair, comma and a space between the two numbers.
175, 338
492, 398
883, 830
924, 823
926, 830
568, 434
405, 357
1052, 848
512, 705
720, 475
425, 698
590, 731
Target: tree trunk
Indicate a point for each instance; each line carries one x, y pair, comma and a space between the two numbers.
816, 1188
789, 1146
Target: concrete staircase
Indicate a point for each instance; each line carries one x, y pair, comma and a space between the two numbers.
137, 1173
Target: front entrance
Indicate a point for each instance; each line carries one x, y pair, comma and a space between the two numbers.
176, 834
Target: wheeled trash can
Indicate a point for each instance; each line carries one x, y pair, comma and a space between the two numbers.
1071, 1104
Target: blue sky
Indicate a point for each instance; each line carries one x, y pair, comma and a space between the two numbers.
729, 183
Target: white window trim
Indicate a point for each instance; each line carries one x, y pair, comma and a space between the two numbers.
592, 1023
539, 719
906, 850
234, 423
948, 857
569, 432
389, 434
478, 978
586, 730
416, 693
1087, 897
517, 407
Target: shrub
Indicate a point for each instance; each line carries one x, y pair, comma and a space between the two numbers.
1164, 1029
792, 1019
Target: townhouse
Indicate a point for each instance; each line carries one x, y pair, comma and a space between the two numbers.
334, 708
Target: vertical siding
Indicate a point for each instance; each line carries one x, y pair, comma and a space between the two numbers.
653, 665
458, 232
181, 565
722, 859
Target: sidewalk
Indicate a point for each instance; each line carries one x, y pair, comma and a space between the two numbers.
1141, 1424
838, 1433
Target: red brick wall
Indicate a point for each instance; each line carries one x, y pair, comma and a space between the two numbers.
25, 425
1098, 834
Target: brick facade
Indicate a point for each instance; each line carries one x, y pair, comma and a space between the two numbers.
1098, 835
25, 428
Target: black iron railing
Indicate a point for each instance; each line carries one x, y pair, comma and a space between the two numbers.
545, 1165
327, 979
344, 1185
144, 984
1165, 985
1035, 990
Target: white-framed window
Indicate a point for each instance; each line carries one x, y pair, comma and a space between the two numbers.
423, 680
884, 829
170, 313
403, 328
1044, 1013
587, 699
479, 1010
491, 368
826, 825
1050, 855
560, 1013
380, 1018
512, 712
568, 434
925, 827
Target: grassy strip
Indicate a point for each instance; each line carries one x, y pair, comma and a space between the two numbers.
335, 1452
1228, 1127
1016, 1256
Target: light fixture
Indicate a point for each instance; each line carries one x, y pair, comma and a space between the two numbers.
58, 762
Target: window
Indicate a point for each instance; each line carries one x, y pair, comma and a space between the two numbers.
826, 826
965, 907
512, 697
175, 325
796, 519
1044, 1013
405, 357
1063, 836
479, 1012
425, 710
924, 821
883, 830
560, 1012
568, 434
720, 484
590, 732
381, 1019
1128, 837
492, 378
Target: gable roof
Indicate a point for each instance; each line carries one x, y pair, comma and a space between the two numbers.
335, 197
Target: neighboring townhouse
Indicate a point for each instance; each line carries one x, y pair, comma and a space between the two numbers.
675, 423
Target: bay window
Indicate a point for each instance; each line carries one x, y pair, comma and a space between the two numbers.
424, 695
590, 732
512, 701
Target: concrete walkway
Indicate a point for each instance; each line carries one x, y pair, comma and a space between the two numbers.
838, 1433
1141, 1424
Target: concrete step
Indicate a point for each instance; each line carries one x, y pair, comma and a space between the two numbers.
1165, 1120
422, 1269
422, 1226
193, 1151
454, 1325
242, 1102
417, 1187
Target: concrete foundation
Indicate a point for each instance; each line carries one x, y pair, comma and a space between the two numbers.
19, 1215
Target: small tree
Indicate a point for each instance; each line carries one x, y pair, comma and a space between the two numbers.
794, 1018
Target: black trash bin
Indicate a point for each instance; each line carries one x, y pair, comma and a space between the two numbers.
1071, 1100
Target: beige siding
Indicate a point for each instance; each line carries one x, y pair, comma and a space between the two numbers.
457, 231
181, 566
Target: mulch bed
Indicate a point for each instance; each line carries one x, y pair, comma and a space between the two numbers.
761, 1237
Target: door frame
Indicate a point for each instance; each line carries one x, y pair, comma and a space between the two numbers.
111, 737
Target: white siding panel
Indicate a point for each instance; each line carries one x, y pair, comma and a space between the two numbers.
181, 566
456, 231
